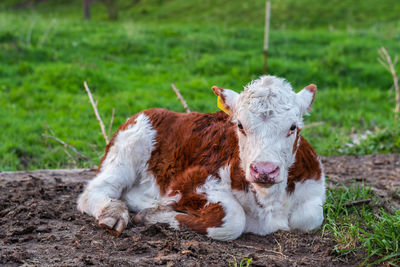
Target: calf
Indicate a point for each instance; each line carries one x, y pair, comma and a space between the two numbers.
246, 169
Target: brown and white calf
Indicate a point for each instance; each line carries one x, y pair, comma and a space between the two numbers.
246, 169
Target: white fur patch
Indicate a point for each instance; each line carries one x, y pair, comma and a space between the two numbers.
306, 204
218, 191
306, 211
266, 212
125, 165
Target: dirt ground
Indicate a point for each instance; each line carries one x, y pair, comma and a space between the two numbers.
40, 226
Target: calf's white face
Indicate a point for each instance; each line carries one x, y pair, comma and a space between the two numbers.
268, 114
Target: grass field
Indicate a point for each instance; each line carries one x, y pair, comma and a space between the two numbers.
129, 66
48, 51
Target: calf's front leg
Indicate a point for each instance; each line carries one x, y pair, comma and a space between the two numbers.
124, 163
101, 200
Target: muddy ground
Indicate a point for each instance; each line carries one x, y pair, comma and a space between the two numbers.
40, 226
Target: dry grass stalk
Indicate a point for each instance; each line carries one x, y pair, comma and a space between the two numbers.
314, 124
261, 249
29, 35
111, 123
358, 202
180, 97
388, 64
46, 34
96, 112
66, 146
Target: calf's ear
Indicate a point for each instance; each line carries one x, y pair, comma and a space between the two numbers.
227, 99
305, 97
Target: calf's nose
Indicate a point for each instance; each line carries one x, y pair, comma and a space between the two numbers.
264, 172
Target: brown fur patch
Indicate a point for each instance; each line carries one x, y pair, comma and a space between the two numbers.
220, 92
199, 216
186, 140
313, 89
186, 185
207, 217
305, 167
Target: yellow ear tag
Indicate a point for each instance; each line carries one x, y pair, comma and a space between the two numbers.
221, 105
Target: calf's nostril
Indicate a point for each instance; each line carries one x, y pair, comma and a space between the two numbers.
275, 170
253, 168
274, 173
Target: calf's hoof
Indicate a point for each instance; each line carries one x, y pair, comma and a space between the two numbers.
114, 217
147, 216
143, 216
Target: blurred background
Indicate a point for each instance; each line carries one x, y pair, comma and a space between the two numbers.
129, 52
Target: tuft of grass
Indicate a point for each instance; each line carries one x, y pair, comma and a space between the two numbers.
245, 262
366, 227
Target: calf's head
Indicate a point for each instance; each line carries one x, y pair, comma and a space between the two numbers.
268, 115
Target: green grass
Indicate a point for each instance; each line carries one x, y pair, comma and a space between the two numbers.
129, 66
46, 53
362, 227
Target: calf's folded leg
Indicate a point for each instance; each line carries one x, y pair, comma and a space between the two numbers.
203, 203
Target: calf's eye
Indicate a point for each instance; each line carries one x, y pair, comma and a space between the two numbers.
240, 126
293, 127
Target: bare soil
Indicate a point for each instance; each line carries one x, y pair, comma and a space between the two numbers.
40, 226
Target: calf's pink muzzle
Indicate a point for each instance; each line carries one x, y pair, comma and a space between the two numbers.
266, 173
